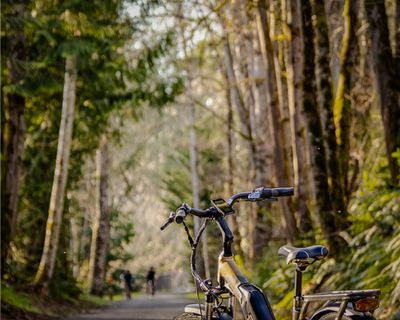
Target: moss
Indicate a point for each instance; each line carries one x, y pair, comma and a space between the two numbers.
17, 299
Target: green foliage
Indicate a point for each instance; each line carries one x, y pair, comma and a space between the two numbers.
114, 80
64, 286
375, 260
17, 299
122, 233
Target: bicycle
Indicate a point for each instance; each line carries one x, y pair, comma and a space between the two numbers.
244, 300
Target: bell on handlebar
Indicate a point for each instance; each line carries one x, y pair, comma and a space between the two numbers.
256, 195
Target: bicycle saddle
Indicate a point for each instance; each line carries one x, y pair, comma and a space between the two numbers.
307, 254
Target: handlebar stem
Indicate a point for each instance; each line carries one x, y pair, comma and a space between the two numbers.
227, 235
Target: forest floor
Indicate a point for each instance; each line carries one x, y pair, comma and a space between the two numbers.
23, 304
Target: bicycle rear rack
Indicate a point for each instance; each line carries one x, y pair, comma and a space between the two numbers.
344, 297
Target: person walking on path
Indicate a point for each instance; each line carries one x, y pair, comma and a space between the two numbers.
127, 276
150, 281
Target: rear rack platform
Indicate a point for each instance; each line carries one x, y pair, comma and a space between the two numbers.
342, 295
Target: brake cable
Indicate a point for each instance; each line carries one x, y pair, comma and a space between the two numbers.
193, 245
190, 239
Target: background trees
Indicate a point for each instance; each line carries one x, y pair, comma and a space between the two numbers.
298, 92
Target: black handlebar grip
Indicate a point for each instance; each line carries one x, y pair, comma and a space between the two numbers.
180, 216
165, 225
277, 192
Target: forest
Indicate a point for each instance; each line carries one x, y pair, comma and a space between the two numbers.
114, 113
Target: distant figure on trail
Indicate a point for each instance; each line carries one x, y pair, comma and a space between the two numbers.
150, 288
127, 279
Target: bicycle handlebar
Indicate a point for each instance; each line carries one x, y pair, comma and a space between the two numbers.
270, 194
277, 192
169, 220
180, 214
258, 194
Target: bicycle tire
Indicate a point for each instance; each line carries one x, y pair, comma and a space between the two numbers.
332, 316
188, 316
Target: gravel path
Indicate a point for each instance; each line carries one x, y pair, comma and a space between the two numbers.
161, 306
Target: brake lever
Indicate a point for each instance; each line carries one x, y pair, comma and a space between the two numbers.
169, 220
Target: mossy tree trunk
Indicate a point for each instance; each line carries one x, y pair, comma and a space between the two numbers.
323, 199
387, 81
397, 37
342, 104
325, 100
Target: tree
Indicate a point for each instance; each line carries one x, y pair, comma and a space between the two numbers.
281, 166
12, 119
56, 207
294, 66
342, 103
317, 148
101, 226
387, 82
325, 101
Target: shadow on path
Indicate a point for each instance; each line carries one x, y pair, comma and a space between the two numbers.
161, 306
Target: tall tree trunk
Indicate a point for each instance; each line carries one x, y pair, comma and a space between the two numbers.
46, 267
229, 134
256, 85
275, 117
325, 89
294, 67
397, 37
317, 150
12, 137
101, 227
262, 135
195, 184
275, 32
89, 187
194, 158
74, 243
342, 104
244, 117
386, 80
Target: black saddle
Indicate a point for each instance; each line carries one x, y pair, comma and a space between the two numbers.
303, 256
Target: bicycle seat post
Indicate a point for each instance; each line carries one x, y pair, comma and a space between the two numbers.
298, 298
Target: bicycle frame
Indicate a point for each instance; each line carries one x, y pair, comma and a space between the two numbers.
247, 301
253, 304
